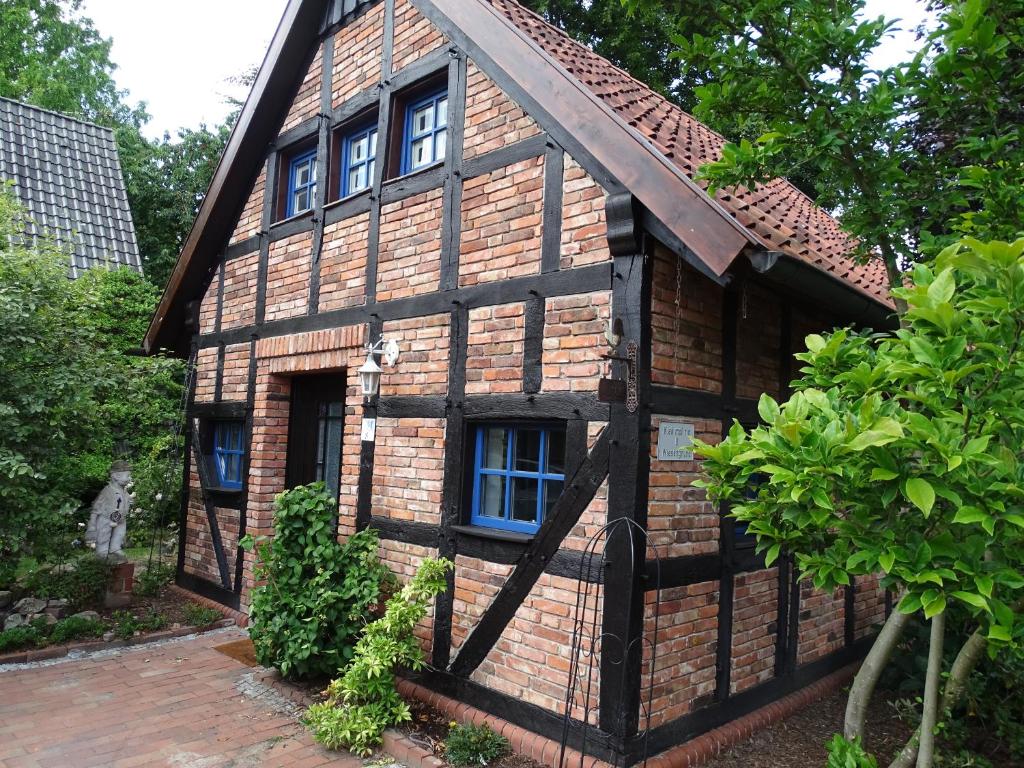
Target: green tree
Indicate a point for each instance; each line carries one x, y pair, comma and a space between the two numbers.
166, 182
71, 397
910, 156
901, 455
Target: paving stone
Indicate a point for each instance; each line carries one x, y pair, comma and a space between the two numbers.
176, 703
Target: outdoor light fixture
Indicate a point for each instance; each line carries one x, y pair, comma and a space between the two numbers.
369, 373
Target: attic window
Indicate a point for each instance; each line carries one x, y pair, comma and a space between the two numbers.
425, 138
359, 153
301, 183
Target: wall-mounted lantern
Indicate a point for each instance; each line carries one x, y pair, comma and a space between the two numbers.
370, 371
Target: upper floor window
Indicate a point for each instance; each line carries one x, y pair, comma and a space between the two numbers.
426, 132
228, 451
359, 151
518, 474
301, 183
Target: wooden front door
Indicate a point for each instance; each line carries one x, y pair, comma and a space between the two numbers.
315, 430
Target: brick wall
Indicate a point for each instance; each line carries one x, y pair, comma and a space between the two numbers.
206, 374
680, 519
408, 469
306, 103
494, 360
343, 263
476, 583
235, 383
596, 513
573, 343
757, 343
686, 638
869, 606
423, 366
414, 35
501, 223
357, 51
584, 227
755, 606
288, 276
240, 291
531, 658
821, 623
409, 258
686, 343
249, 222
208, 306
493, 120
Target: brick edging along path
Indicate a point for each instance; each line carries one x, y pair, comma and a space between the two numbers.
695, 752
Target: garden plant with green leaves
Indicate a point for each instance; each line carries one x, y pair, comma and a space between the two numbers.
364, 700
901, 454
317, 592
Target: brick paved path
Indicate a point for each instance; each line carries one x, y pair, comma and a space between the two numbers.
174, 704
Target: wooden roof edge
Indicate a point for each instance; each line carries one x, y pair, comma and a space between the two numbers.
254, 130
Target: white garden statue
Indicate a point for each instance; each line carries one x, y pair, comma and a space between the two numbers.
108, 522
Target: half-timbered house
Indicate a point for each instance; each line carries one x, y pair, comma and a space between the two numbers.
520, 218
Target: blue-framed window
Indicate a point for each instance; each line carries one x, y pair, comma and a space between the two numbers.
518, 474
301, 183
426, 132
228, 452
358, 160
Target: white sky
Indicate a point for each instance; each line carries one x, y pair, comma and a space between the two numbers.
179, 59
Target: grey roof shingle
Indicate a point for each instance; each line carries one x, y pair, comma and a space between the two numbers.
67, 175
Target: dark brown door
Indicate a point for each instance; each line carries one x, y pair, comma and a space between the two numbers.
315, 430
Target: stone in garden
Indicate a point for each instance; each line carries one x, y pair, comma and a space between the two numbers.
87, 616
29, 606
65, 568
108, 636
5, 598
47, 618
108, 522
57, 608
14, 620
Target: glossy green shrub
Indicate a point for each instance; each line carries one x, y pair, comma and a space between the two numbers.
317, 592
848, 754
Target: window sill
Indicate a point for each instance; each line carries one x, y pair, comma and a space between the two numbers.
348, 198
293, 217
226, 491
495, 534
409, 174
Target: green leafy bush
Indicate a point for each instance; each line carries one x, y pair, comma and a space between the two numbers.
82, 585
848, 754
75, 628
318, 593
364, 701
25, 636
126, 624
197, 615
153, 579
474, 745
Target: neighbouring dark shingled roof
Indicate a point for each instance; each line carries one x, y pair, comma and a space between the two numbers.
779, 214
67, 175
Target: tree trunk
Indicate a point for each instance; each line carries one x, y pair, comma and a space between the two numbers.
966, 660
930, 709
867, 676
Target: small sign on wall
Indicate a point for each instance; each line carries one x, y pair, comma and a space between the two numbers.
369, 431
675, 442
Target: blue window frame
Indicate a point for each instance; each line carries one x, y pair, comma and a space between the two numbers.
426, 132
301, 183
227, 453
358, 160
518, 474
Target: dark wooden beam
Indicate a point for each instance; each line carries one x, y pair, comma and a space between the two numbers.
364, 489
451, 220
578, 493
452, 486
265, 220
509, 154
216, 592
554, 172
596, 277
622, 617
547, 405
323, 146
406, 531
533, 345
250, 410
